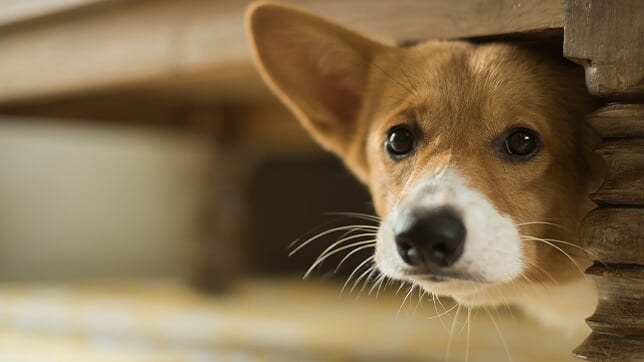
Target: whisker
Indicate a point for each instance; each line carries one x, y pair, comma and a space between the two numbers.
498, 331
437, 300
352, 252
401, 285
421, 293
434, 303
411, 83
506, 305
355, 270
443, 313
345, 239
350, 232
377, 284
357, 215
590, 253
525, 237
327, 232
451, 334
382, 284
333, 248
542, 270
388, 283
438, 314
366, 273
530, 281
542, 223
313, 232
365, 245
533, 283
467, 336
394, 79
369, 278
409, 292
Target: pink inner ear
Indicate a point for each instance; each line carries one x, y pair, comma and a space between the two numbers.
334, 95
316, 70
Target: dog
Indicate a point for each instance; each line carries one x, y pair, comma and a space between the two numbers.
476, 155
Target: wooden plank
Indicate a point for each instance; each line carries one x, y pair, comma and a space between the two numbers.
122, 108
624, 182
112, 49
619, 121
618, 333
393, 21
269, 128
615, 235
13, 12
200, 46
608, 37
627, 286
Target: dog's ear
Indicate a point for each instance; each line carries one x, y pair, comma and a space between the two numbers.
318, 69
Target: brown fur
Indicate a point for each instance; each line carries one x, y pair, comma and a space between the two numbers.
348, 91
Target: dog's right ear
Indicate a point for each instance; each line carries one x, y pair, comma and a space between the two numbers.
318, 69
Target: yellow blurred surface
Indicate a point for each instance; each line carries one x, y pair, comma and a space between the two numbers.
262, 320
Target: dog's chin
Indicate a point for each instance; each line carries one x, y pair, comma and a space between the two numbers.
465, 290
465, 286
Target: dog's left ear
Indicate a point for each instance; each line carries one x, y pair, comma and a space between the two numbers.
318, 69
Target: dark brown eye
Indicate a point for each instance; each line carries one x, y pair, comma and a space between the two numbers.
522, 142
400, 142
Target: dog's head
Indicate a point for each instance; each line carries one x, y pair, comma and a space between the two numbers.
476, 155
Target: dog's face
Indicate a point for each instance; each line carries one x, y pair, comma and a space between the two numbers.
476, 155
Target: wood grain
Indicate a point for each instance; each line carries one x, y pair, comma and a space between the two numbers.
618, 331
624, 182
199, 47
607, 37
615, 235
13, 12
619, 121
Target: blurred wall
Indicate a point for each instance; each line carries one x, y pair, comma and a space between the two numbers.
85, 202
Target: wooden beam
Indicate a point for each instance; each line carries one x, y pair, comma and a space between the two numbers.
610, 43
13, 12
199, 46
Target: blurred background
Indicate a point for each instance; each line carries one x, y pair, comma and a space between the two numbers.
150, 187
87, 201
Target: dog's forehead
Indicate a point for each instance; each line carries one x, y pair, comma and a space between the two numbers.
450, 61
458, 83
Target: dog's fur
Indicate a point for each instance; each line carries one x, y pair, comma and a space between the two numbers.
348, 91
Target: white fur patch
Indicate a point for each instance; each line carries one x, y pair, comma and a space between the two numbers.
493, 251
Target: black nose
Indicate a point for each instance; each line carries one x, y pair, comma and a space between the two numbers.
431, 238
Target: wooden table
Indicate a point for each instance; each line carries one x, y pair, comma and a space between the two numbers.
186, 64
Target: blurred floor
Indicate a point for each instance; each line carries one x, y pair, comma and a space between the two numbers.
261, 320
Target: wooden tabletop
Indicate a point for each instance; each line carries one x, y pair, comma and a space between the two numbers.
197, 49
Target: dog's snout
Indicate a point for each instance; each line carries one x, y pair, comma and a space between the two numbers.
430, 239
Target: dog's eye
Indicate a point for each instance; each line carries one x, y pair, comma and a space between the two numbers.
400, 142
521, 142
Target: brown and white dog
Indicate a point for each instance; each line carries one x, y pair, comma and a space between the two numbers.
476, 156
